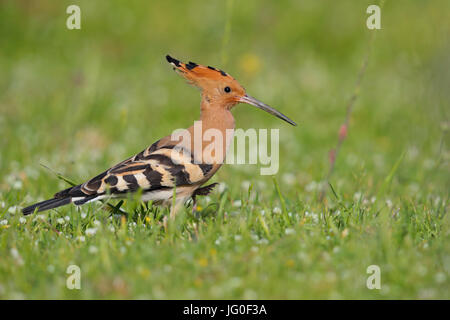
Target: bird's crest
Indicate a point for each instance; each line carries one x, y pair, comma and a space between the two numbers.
196, 73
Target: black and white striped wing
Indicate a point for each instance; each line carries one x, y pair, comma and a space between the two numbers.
150, 170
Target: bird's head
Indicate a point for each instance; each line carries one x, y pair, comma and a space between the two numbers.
219, 88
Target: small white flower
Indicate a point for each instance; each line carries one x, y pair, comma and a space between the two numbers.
315, 217
357, 196
112, 229
276, 210
82, 238
289, 178
96, 223
289, 231
237, 203
67, 218
93, 249
2, 204
91, 231
12, 209
60, 221
312, 186
22, 220
245, 185
222, 187
17, 185
16, 255
263, 212
83, 215
263, 241
4, 222
389, 203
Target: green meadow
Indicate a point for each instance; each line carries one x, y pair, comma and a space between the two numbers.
75, 102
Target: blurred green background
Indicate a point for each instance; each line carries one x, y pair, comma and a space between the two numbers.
79, 101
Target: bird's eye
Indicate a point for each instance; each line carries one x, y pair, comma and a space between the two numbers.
227, 89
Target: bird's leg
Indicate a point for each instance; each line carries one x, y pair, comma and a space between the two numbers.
194, 204
175, 208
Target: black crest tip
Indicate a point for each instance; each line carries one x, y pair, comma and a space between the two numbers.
172, 60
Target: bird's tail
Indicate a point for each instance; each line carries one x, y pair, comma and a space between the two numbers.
47, 205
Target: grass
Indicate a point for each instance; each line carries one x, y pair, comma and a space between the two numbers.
80, 101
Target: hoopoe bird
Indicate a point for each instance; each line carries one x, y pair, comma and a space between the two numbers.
172, 166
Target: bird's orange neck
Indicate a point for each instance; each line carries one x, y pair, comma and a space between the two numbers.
215, 122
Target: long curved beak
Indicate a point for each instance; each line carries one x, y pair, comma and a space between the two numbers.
250, 100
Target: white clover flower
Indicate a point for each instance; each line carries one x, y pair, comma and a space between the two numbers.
96, 223
82, 238
245, 184
237, 203
263, 241
289, 178
93, 249
132, 224
357, 196
312, 186
16, 255
289, 231
222, 187
22, 220
12, 209
60, 221
389, 203
67, 218
4, 222
17, 185
112, 229
91, 231
83, 215
276, 210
